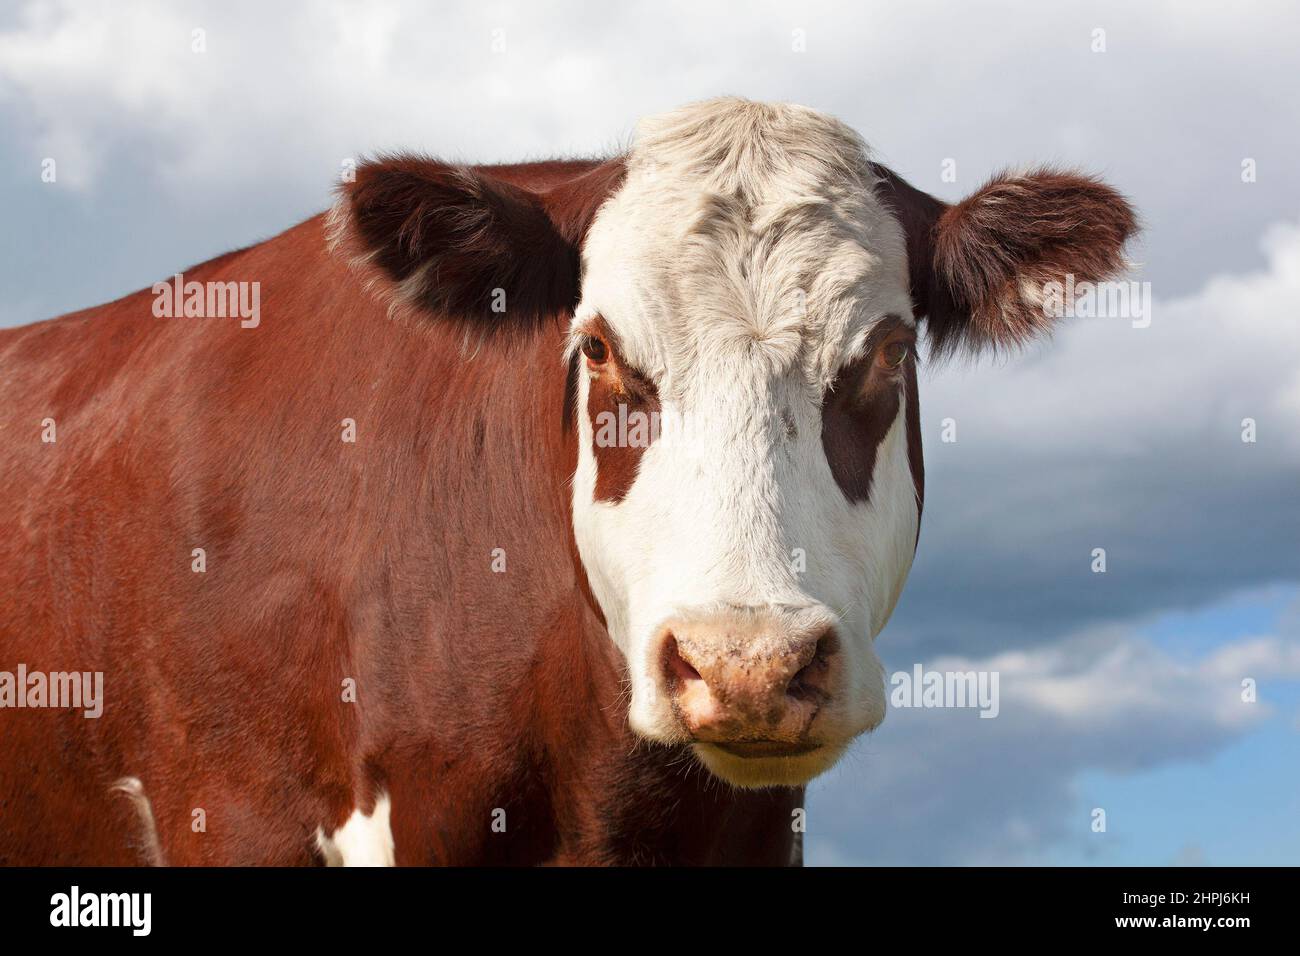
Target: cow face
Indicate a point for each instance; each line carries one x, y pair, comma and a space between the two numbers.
746, 312
748, 485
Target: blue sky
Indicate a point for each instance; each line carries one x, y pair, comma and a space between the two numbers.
1224, 793
1120, 690
1239, 806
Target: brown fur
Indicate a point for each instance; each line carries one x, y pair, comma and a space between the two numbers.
858, 412
972, 262
618, 390
326, 560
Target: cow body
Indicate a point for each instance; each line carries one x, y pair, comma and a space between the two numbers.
391, 649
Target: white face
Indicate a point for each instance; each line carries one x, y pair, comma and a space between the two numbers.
733, 278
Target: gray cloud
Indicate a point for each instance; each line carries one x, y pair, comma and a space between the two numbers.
1114, 437
172, 155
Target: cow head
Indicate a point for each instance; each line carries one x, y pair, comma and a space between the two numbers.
745, 293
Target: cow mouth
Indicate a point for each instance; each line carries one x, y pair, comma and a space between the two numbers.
765, 748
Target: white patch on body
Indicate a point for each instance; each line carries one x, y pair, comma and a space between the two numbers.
364, 840
150, 846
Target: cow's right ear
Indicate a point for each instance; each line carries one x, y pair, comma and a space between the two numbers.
458, 242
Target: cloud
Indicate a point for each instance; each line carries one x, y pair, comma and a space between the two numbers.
283, 92
273, 94
1115, 437
167, 156
936, 786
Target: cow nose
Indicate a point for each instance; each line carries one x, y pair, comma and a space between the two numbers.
748, 682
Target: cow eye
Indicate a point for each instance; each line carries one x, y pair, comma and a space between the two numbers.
595, 349
894, 354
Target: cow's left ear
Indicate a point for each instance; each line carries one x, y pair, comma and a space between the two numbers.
465, 243
979, 268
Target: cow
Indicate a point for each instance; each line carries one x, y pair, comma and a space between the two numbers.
541, 513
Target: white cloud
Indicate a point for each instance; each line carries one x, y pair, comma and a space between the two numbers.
274, 87
927, 80
1207, 361
220, 148
947, 786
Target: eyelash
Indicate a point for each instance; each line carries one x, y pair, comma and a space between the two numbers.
895, 366
595, 350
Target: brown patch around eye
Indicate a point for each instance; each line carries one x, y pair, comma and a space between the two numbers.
623, 408
863, 404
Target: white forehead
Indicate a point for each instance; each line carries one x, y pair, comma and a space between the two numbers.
748, 234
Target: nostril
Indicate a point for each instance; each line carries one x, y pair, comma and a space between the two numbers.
810, 681
676, 667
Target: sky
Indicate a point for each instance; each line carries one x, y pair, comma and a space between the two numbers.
1120, 691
